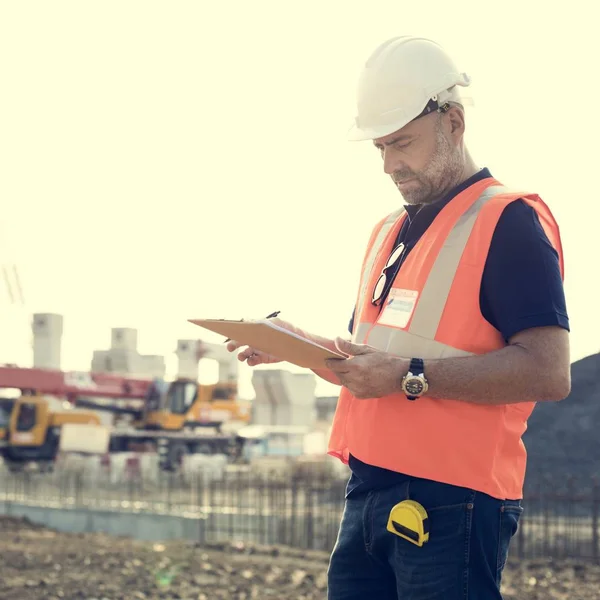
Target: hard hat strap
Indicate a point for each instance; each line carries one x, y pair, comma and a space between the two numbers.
432, 105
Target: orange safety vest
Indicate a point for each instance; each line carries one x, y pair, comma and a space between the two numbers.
433, 312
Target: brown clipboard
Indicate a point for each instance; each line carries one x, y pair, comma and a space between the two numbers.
271, 339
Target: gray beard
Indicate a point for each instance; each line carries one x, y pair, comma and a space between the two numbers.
442, 173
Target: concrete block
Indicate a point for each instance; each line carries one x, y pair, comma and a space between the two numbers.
47, 331
187, 359
124, 338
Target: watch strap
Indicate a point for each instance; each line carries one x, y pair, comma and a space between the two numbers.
417, 366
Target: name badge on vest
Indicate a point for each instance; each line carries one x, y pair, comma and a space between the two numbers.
399, 307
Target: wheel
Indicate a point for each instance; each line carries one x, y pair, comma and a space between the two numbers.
171, 455
14, 467
45, 466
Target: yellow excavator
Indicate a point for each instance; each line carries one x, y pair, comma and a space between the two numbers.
173, 418
183, 417
31, 426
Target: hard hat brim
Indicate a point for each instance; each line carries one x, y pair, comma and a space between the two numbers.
357, 134
361, 134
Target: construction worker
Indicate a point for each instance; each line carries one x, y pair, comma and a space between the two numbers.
460, 326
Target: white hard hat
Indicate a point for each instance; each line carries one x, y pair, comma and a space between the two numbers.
404, 78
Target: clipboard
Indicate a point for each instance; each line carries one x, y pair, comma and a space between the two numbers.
272, 339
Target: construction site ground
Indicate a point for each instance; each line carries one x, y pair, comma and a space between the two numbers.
38, 563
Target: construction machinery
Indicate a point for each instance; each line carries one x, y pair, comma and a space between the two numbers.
184, 417
126, 402
42, 402
172, 418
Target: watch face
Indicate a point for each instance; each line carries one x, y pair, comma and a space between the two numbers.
414, 386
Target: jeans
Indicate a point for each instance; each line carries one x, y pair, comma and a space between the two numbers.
469, 537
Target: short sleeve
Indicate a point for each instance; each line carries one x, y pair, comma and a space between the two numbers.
522, 285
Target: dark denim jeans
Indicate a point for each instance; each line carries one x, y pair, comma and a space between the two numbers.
468, 544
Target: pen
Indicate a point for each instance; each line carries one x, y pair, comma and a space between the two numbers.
271, 316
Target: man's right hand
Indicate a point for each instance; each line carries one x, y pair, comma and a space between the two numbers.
251, 355
254, 357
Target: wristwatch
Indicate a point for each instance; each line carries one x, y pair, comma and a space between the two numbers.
414, 383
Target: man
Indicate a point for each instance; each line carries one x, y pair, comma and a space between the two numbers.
460, 326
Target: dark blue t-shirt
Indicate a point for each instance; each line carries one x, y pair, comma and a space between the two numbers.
521, 288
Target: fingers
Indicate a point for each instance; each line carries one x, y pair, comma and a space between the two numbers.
248, 353
232, 345
251, 355
347, 347
255, 359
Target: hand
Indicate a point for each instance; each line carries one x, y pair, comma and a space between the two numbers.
254, 357
368, 373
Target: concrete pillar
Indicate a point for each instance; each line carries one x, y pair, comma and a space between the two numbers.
284, 398
47, 340
124, 338
227, 361
189, 353
116, 360
187, 359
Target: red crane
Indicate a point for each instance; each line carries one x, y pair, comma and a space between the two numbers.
72, 384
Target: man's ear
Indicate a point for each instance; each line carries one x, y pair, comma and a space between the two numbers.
456, 121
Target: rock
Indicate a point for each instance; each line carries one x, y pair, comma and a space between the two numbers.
297, 577
273, 575
321, 581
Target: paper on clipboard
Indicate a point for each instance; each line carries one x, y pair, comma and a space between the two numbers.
272, 339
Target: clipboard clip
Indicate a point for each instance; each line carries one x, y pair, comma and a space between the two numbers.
271, 316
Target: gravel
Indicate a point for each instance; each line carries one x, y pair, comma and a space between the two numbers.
38, 563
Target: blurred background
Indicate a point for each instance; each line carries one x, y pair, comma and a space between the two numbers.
166, 161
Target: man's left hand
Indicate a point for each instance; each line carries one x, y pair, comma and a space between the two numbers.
368, 372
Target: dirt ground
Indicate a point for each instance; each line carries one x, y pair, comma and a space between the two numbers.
37, 563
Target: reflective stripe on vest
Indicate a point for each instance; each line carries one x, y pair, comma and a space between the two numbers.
372, 257
430, 306
419, 338
473, 445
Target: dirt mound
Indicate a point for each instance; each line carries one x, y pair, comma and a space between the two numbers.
562, 439
40, 564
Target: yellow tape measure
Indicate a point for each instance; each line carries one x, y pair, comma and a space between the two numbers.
409, 520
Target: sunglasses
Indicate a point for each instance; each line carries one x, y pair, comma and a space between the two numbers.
382, 282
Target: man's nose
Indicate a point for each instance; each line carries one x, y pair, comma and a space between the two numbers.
390, 161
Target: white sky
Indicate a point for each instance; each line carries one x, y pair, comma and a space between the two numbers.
170, 160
